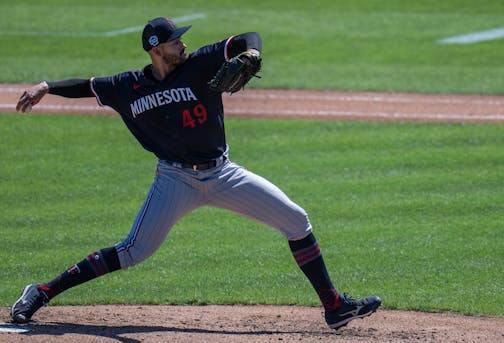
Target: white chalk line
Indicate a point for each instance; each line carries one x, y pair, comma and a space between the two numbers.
366, 98
475, 37
4, 327
113, 33
336, 97
300, 113
72, 108
357, 114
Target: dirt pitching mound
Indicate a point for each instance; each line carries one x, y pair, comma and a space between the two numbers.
133, 323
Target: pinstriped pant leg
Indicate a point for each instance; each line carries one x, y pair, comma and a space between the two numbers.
171, 196
254, 197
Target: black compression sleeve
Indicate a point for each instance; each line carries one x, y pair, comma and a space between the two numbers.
71, 88
243, 42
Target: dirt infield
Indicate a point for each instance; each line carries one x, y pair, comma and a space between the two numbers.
325, 105
267, 323
245, 324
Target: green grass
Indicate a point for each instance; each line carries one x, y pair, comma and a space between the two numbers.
360, 45
412, 212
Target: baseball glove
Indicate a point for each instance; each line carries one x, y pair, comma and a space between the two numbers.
235, 73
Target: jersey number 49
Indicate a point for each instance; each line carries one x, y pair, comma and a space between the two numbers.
198, 115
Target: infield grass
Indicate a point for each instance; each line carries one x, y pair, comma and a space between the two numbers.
330, 44
412, 212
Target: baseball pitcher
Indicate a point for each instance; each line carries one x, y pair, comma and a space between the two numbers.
173, 107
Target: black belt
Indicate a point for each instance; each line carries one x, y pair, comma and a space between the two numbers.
200, 166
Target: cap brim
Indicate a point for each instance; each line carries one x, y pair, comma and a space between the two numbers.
179, 32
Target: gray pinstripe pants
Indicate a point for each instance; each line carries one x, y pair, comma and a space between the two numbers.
176, 191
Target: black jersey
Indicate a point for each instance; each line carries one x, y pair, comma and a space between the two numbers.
179, 118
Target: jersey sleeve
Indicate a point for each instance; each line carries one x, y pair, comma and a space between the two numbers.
111, 90
243, 42
104, 89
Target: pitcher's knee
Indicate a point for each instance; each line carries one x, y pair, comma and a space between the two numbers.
294, 234
296, 227
130, 256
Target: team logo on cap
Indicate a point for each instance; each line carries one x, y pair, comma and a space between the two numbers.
153, 40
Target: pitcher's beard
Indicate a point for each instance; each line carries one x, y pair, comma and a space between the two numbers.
175, 60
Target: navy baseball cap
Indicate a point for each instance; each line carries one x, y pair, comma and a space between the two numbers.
160, 30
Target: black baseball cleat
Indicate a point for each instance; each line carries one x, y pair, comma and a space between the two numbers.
350, 310
30, 301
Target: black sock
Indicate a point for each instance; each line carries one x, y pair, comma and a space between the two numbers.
307, 254
94, 265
